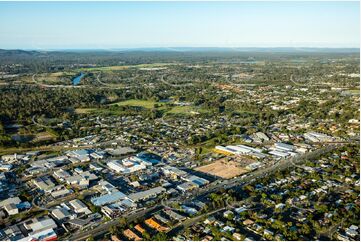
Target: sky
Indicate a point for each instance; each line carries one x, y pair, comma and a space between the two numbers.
106, 25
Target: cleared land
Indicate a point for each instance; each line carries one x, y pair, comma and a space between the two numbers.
223, 168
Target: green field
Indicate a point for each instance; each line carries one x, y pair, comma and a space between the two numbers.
137, 103
147, 104
187, 110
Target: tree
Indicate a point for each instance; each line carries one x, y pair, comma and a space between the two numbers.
160, 237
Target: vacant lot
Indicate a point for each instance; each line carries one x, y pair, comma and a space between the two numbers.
223, 168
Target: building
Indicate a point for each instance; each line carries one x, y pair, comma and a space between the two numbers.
60, 213
79, 206
186, 186
44, 183
173, 172
112, 197
11, 209
131, 235
81, 155
40, 224
116, 166
144, 195
42, 235
285, 147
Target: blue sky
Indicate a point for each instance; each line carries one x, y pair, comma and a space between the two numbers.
62, 25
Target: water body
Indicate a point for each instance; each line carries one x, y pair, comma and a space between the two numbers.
77, 79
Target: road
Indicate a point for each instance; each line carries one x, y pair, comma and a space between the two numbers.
56, 86
175, 85
104, 228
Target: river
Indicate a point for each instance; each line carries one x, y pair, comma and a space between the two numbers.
77, 79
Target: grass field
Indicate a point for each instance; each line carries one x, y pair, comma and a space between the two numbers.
353, 91
137, 103
147, 104
186, 110
84, 110
43, 136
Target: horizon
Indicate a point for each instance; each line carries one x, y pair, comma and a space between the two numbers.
135, 25
186, 49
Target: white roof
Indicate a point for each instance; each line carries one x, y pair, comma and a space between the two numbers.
42, 224
14, 200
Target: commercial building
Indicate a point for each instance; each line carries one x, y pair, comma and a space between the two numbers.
139, 196
79, 206
112, 197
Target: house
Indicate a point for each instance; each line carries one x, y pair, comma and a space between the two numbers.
352, 231
237, 236
228, 229
248, 222
209, 220
131, 235
139, 228
161, 218
228, 214
174, 215
189, 210
280, 206
153, 224
268, 232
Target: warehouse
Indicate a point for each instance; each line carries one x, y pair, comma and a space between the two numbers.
139, 196
108, 198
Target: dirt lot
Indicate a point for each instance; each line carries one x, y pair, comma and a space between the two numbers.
224, 168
